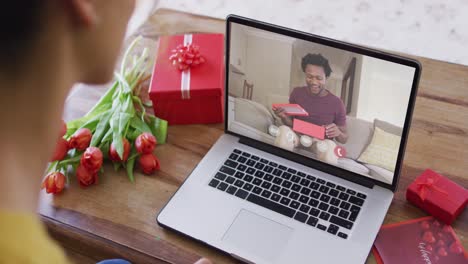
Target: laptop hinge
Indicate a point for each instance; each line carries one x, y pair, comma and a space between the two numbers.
327, 168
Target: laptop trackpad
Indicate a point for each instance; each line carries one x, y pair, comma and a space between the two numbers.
258, 235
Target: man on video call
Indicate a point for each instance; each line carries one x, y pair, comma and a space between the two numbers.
324, 108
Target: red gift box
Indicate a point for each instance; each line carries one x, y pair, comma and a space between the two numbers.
195, 95
438, 196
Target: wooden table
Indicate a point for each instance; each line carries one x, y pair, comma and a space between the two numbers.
118, 218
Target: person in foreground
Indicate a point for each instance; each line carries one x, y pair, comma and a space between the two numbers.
46, 47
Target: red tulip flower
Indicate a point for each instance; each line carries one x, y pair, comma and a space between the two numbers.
60, 150
149, 163
145, 143
54, 183
114, 156
86, 177
92, 159
81, 139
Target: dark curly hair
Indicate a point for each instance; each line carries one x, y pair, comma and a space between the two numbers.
318, 60
20, 22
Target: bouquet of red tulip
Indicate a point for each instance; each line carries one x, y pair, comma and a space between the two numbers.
117, 128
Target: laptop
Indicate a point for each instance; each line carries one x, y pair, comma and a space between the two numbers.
265, 193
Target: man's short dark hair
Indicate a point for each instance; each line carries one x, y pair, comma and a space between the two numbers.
318, 60
20, 23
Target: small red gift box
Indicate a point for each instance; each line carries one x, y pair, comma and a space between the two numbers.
192, 94
438, 196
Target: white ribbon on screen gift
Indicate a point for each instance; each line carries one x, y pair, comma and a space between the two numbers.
185, 81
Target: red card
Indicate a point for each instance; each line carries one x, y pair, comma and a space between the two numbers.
309, 129
292, 109
424, 240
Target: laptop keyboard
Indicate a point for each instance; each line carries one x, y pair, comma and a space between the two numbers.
295, 194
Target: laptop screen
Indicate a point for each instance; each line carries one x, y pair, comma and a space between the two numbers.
332, 105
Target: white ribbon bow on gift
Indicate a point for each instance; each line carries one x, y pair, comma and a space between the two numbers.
184, 57
185, 81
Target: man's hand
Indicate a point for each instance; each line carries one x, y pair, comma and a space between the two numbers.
281, 113
339, 133
332, 131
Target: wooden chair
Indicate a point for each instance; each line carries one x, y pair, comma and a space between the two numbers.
247, 91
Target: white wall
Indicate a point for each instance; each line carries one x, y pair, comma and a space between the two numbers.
384, 91
238, 46
268, 65
237, 59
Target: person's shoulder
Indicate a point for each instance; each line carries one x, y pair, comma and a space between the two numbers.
25, 240
334, 98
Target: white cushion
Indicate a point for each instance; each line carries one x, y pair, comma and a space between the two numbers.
252, 114
380, 173
351, 165
388, 127
359, 135
251, 132
382, 151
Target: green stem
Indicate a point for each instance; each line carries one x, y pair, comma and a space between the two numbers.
134, 156
69, 161
52, 167
106, 98
127, 52
143, 109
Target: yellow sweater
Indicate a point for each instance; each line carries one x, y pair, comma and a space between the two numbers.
24, 240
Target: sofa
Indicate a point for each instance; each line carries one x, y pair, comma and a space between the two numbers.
253, 119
